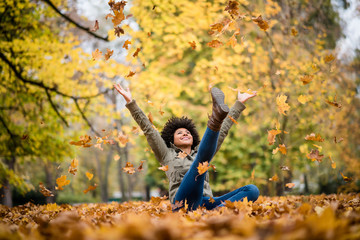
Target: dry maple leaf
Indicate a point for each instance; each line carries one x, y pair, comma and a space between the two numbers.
177, 204
329, 58
128, 16
281, 104
164, 168
44, 191
211, 200
150, 103
203, 167
274, 151
89, 175
61, 181
282, 149
90, 188
118, 31
151, 118
294, 32
126, 44
216, 27
232, 119
117, 6
346, 179
306, 79
193, 45
129, 168
157, 200
96, 26
334, 103
108, 54
130, 74
333, 164
314, 155
140, 166
272, 136
232, 8
123, 138
135, 130
261, 23
73, 166
290, 185
118, 18
136, 52
161, 111
182, 154
312, 137
233, 41
83, 141
214, 44
338, 141
96, 54
274, 178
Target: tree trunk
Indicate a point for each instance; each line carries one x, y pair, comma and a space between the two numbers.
121, 175
6, 195
105, 195
306, 184
49, 183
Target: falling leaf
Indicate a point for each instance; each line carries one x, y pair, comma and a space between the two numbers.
178, 204
284, 168
214, 44
217, 27
232, 8
232, 119
89, 175
128, 16
44, 191
149, 34
96, 55
306, 79
281, 104
290, 185
272, 136
278, 72
312, 137
73, 166
333, 103
140, 166
108, 54
123, 138
164, 168
318, 147
129, 168
282, 149
136, 52
211, 200
96, 26
161, 111
274, 151
329, 58
150, 103
118, 18
203, 167
130, 74
294, 32
126, 44
116, 157
61, 181
333, 164
314, 155
338, 141
261, 23
233, 41
274, 178
213, 167
98, 146
151, 118
182, 154
346, 179
118, 31
193, 45
90, 188
135, 130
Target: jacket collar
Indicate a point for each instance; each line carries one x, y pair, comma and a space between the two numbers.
178, 149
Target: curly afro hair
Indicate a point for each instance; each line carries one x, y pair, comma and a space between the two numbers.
175, 123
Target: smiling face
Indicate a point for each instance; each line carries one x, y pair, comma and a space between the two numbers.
183, 138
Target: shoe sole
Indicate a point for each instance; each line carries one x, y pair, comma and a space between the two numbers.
218, 96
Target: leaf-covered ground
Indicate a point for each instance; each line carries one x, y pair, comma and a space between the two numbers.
292, 217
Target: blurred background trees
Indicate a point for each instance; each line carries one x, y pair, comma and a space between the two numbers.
53, 92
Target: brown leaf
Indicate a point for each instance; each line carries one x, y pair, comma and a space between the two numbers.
232, 8
108, 54
141, 166
126, 44
136, 52
314, 155
151, 118
44, 191
215, 44
130, 74
312, 137
90, 188
193, 45
118, 31
164, 168
306, 79
261, 23
346, 179
129, 168
329, 58
96, 26
73, 166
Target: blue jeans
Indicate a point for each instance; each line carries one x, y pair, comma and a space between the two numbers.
192, 185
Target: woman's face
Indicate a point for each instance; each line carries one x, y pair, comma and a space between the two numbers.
183, 138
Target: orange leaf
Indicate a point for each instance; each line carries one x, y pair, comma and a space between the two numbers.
151, 118
274, 178
213, 167
346, 179
203, 167
312, 137
126, 44
116, 157
211, 200
141, 166
61, 181
118, 18
73, 166
130, 74
129, 168
89, 175
108, 54
193, 45
123, 138
294, 32
233, 120
290, 185
164, 168
118, 31
214, 44
44, 191
329, 58
333, 164
306, 79
96, 55
261, 23
136, 52
282, 149
272, 136
182, 154
90, 188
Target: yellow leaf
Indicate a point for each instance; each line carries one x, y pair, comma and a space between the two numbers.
294, 32
96, 55
61, 181
282, 105
290, 185
329, 58
274, 178
89, 175
90, 188
73, 166
203, 167
303, 99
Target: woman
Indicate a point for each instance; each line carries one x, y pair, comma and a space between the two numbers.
178, 147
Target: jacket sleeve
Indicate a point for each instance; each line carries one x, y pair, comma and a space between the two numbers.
153, 137
234, 112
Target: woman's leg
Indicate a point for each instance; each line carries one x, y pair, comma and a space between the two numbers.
250, 191
192, 185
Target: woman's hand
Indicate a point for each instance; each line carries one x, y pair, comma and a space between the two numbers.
126, 94
243, 97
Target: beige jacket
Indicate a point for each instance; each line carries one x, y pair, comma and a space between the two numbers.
169, 156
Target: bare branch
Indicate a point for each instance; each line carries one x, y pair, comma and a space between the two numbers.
55, 108
85, 119
75, 23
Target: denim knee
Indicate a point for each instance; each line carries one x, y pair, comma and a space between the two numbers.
253, 192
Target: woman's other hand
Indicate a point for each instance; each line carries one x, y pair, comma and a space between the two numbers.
243, 97
125, 93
